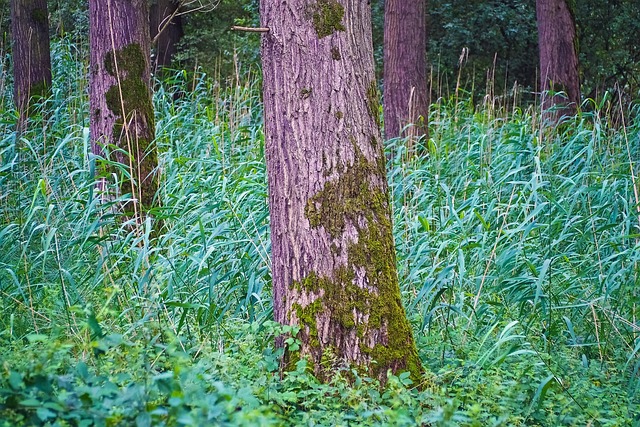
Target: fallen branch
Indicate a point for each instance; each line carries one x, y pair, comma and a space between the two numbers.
250, 29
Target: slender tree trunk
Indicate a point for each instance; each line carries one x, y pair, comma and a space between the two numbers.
333, 254
31, 52
558, 56
122, 121
406, 96
166, 28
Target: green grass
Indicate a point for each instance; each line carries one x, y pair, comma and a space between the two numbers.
518, 252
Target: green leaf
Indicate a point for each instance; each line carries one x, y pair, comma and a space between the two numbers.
425, 223
15, 380
541, 392
94, 326
44, 414
33, 338
30, 402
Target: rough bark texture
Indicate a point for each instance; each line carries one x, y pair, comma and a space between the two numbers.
558, 56
333, 255
166, 26
121, 108
406, 93
31, 54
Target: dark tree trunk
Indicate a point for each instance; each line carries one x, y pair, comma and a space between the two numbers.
166, 29
121, 107
406, 96
333, 254
558, 57
31, 52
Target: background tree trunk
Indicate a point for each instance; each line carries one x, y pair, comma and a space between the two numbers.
166, 25
406, 93
31, 52
333, 256
558, 56
121, 108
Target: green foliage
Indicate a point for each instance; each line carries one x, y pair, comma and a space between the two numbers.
609, 52
210, 44
69, 17
499, 220
501, 38
518, 260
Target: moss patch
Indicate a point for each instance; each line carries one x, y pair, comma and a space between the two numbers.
326, 16
132, 97
373, 102
349, 198
356, 199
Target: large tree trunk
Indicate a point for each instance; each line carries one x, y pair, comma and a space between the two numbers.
166, 28
558, 57
121, 107
31, 52
333, 254
406, 96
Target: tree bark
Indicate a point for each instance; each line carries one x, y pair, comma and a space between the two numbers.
406, 93
166, 26
558, 57
122, 120
333, 255
31, 52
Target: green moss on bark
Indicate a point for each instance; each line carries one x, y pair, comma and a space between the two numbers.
129, 60
350, 198
130, 98
359, 199
373, 102
132, 93
326, 16
307, 316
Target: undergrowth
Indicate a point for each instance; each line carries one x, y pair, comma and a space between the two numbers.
518, 251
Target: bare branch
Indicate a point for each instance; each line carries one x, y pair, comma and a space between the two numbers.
249, 29
184, 7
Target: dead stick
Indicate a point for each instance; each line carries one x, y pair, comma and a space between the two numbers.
250, 30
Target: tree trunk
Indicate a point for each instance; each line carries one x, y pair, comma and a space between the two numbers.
31, 52
558, 57
166, 28
333, 255
121, 107
406, 95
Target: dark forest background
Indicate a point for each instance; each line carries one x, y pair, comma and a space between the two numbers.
499, 38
